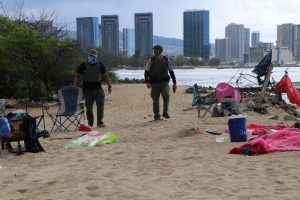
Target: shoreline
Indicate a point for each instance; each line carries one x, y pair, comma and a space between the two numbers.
202, 67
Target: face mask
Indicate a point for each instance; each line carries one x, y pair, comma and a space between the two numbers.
92, 59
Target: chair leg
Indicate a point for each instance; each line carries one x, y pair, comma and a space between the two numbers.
56, 124
75, 121
62, 125
198, 109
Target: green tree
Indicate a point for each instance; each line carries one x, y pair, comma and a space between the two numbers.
36, 65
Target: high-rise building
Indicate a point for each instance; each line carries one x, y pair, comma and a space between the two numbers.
297, 56
110, 33
45, 27
100, 40
235, 33
143, 33
281, 55
223, 50
258, 52
87, 32
255, 38
212, 50
128, 42
246, 44
196, 33
286, 36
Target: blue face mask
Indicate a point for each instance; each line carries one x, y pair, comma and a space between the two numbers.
92, 59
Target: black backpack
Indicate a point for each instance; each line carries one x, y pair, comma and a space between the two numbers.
166, 60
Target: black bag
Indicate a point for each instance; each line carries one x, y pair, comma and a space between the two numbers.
32, 143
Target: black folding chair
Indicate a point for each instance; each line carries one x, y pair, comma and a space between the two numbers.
70, 110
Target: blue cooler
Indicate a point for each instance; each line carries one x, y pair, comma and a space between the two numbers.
4, 126
238, 128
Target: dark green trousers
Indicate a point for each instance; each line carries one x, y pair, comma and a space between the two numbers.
90, 97
164, 90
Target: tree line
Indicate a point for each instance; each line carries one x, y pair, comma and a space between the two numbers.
137, 62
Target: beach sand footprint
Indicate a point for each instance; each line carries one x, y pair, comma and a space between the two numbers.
92, 188
22, 191
188, 132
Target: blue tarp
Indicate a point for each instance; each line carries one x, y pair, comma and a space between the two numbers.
261, 68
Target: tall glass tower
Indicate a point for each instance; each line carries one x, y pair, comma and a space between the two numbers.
196, 33
143, 33
87, 32
235, 33
128, 42
110, 33
255, 39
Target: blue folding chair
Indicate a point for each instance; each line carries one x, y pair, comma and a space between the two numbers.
70, 111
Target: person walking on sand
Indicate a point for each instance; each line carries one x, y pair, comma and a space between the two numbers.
157, 79
94, 73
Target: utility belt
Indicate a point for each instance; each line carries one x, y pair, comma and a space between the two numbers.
159, 80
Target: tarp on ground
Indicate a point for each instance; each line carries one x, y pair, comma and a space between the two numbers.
225, 90
261, 129
287, 86
280, 141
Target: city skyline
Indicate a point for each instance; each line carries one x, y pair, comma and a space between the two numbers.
262, 16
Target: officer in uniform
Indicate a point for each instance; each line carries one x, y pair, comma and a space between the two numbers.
94, 73
157, 78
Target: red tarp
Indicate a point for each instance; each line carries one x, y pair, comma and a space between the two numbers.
260, 129
287, 86
283, 140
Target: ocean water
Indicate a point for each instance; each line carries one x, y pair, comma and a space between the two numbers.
212, 77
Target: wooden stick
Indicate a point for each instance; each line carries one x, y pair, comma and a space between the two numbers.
266, 81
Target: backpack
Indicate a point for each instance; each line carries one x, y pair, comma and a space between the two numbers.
154, 79
166, 60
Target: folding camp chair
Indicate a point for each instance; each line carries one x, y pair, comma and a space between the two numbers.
207, 102
71, 109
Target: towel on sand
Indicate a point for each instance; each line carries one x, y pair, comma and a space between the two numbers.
282, 140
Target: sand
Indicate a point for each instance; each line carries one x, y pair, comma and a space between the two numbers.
151, 160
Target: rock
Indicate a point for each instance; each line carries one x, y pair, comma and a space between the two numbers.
189, 90
261, 109
276, 117
290, 118
250, 104
217, 112
297, 125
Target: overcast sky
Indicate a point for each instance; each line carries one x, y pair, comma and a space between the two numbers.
258, 15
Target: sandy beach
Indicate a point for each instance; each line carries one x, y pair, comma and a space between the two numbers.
151, 160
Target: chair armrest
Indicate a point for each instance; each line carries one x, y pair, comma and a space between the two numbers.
47, 105
81, 104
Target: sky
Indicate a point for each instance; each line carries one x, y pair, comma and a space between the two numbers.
258, 15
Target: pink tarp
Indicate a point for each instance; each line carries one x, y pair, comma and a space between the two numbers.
283, 140
226, 90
